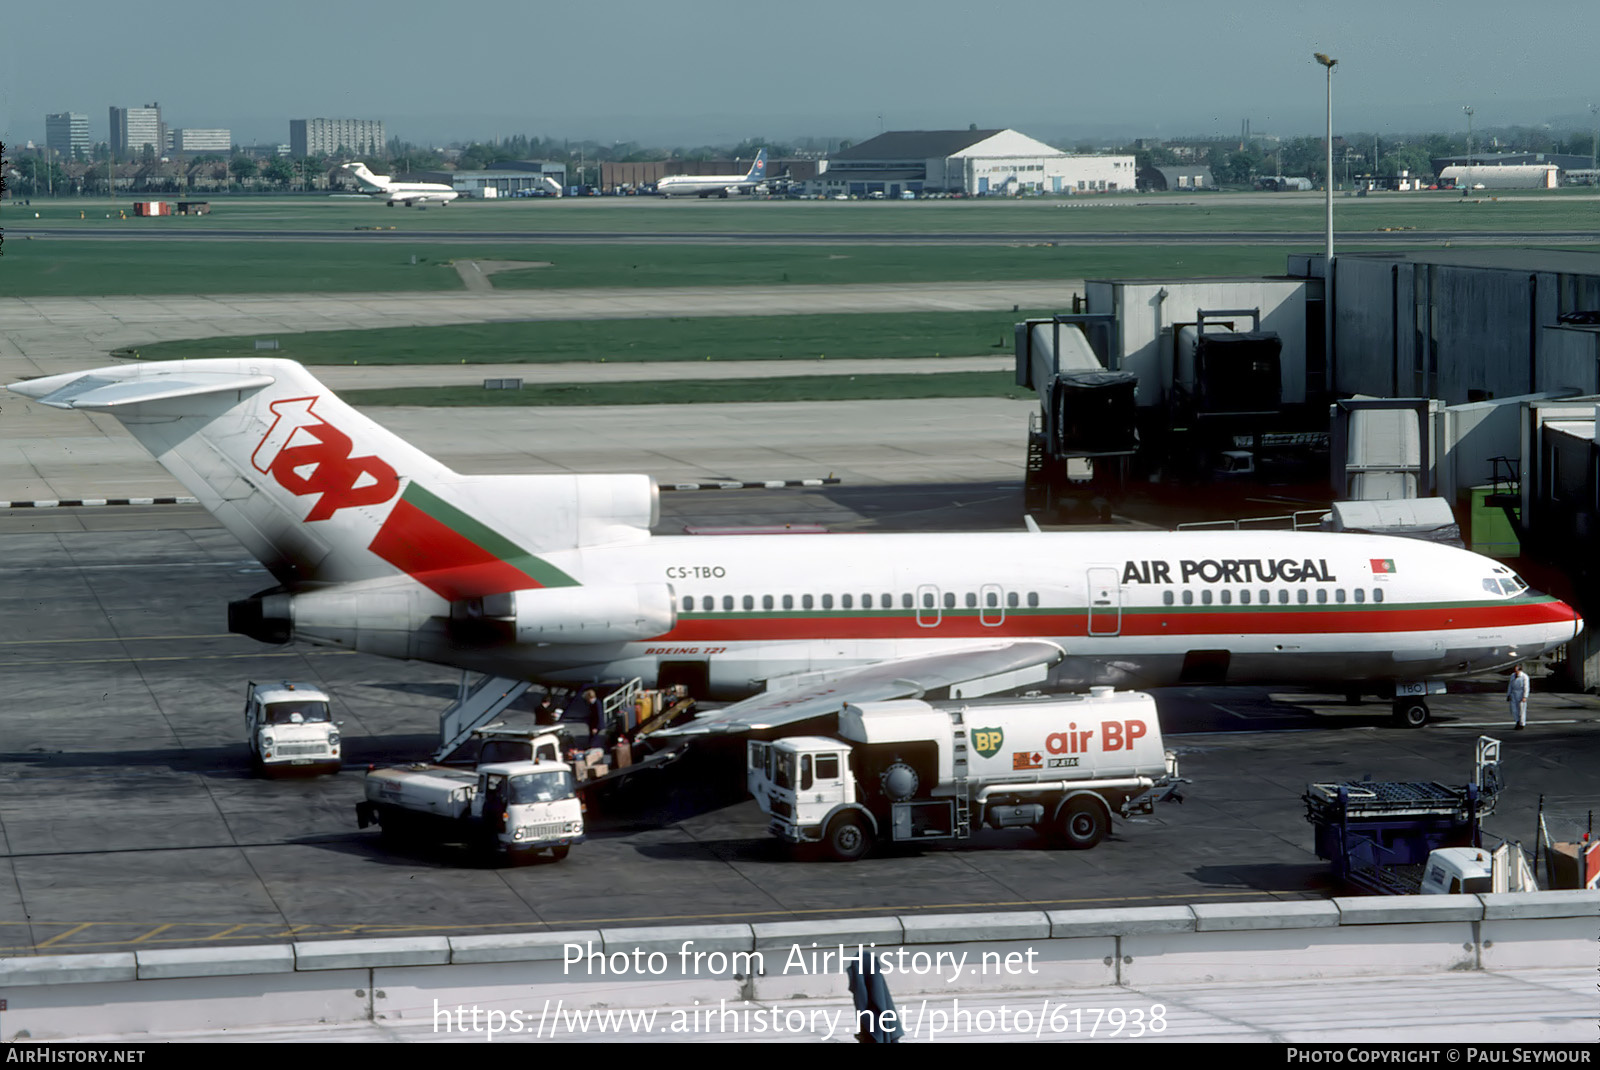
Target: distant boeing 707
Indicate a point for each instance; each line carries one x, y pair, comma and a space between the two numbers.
715, 185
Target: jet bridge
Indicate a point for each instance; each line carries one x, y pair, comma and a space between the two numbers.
1081, 438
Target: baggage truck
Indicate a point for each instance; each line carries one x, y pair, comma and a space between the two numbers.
1416, 837
513, 809
911, 770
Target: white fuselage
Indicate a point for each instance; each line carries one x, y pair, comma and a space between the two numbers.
705, 185
1138, 609
401, 192
379, 548
418, 193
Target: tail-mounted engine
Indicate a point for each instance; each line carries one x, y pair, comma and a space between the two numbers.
607, 614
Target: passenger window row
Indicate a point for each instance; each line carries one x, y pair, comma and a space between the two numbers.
1265, 596
949, 600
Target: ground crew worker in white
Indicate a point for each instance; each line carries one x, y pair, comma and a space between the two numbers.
1517, 695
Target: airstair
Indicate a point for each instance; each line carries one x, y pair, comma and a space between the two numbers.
473, 708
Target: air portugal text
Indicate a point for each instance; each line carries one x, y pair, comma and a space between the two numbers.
1230, 570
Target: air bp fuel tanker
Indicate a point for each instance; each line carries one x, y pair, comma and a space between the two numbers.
914, 771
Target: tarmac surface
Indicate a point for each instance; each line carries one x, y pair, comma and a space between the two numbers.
46, 335
1063, 237
47, 454
129, 817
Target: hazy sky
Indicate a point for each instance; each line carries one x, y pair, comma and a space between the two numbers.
687, 72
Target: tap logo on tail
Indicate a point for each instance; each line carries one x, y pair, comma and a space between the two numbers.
308, 455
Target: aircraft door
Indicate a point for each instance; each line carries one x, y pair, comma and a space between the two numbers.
928, 611
991, 605
1105, 601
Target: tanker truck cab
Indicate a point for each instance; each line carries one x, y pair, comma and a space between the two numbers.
289, 727
511, 809
911, 770
526, 807
805, 783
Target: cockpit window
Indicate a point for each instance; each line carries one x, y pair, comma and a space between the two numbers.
1492, 586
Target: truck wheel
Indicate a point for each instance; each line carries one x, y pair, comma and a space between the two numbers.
1410, 712
1082, 823
390, 830
558, 853
848, 838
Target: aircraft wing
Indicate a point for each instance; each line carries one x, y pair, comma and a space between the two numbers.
971, 671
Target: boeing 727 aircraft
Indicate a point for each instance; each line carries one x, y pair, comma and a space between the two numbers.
406, 193
715, 185
379, 548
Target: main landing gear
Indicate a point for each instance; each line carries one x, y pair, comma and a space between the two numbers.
1411, 712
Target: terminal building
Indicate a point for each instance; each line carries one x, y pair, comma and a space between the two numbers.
972, 163
1467, 375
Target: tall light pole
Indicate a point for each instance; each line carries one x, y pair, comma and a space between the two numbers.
1328, 370
1468, 110
1327, 184
1594, 146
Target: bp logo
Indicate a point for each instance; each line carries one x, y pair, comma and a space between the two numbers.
987, 741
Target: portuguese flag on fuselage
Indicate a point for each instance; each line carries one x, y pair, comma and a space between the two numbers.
456, 555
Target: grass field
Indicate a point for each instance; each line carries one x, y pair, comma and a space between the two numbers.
702, 391
65, 268
1189, 212
701, 338
316, 243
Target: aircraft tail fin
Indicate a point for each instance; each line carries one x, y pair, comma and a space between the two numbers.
366, 179
318, 492
758, 170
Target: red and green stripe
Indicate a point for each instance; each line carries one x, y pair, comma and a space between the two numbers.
735, 626
456, 555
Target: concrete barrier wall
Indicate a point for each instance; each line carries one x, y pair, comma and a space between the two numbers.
346, 981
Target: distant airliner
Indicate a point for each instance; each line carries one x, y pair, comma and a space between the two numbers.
715, 185
378, 547
406, 193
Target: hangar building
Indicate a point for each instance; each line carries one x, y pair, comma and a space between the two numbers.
509, 179
969, 162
